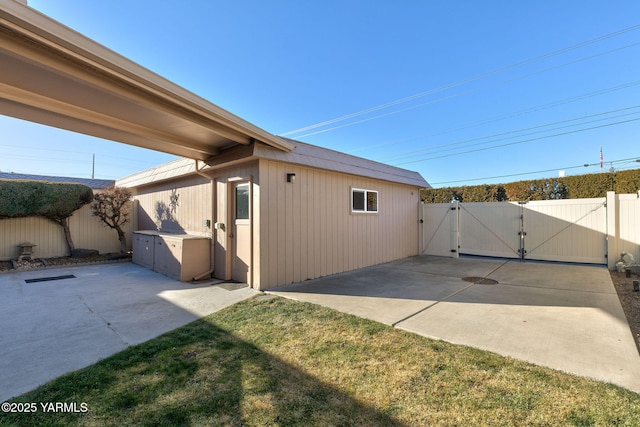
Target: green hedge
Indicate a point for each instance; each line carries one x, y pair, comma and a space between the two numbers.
570, 187
55, 201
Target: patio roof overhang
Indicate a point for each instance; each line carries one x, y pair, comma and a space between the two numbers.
52, 75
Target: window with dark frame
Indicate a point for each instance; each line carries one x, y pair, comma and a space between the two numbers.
365, 201
242, 201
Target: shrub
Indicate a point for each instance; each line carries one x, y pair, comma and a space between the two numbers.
570, 187
54, 201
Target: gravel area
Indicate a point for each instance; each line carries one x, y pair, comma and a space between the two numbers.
630, 301
40, 263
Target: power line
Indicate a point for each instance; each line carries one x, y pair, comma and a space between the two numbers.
457, 95
500, 118
631, 159
466, 141
461, 82
129, 159
518, 142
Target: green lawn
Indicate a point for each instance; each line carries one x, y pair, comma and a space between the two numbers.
271, 361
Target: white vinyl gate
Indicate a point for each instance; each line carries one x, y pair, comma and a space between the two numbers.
440, 229
489, 229
555, 230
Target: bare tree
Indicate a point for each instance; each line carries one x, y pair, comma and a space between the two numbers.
112, 206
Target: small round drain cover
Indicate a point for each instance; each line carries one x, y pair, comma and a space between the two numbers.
480, 280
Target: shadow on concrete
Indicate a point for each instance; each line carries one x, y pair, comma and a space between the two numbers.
429, 278
54, 327
565, 317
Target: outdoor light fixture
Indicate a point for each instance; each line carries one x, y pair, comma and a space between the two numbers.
291, 178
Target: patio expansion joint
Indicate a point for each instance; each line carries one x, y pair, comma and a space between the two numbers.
394, 324
496, 269
106, 323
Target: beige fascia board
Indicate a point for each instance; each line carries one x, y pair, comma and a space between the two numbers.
70, 69
76, 125
42, 103
231, 157
39, 28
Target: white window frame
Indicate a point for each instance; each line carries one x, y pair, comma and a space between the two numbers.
366, 198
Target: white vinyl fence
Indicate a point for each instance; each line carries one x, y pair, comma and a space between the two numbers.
592, 231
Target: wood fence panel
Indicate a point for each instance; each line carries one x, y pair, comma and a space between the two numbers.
87, 232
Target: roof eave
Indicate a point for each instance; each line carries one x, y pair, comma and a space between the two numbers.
30, 33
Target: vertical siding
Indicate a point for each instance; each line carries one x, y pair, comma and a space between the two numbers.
90, 233
220, 236
86, 230
47, 235
193, 206
308, 230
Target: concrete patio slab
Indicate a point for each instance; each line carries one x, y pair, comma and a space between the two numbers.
586, 278
578, 332
566, 317
53, 327
450, 267
380, 293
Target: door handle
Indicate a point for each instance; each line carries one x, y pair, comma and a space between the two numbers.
231, 235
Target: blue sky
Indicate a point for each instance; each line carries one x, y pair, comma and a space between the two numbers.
464, 92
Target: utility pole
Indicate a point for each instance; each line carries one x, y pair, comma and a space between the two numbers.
93, 166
